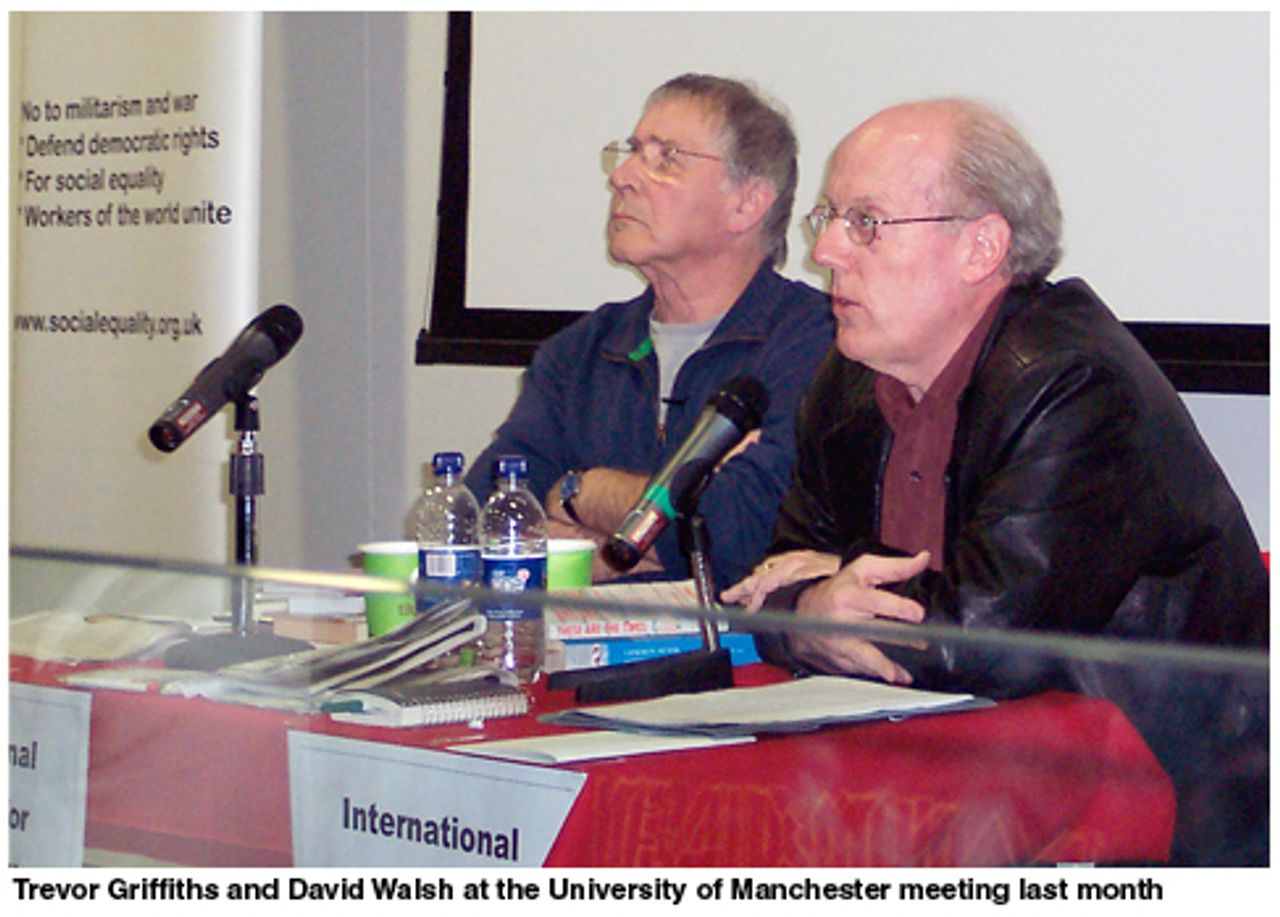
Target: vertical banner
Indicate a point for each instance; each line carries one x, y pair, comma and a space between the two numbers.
135, 175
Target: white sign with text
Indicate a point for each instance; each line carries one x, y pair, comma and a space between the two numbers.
358, 803
135, 142
48, 775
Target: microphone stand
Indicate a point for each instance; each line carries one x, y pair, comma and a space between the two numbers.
707, 669
246, 482
696, 541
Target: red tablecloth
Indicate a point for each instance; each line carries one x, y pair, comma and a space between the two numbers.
1051, 778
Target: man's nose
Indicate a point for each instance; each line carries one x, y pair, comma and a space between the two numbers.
831, 248
626, 174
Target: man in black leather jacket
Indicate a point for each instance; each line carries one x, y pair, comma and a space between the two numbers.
988, 449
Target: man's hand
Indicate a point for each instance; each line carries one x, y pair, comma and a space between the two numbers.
560, 527
604, 498
601, 572
747, 441
853, 595
773, 573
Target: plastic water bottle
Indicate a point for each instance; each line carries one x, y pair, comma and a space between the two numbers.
446, 525
513, 552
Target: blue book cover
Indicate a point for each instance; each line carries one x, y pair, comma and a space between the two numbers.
590, 654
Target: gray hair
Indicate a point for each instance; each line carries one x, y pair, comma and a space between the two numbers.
993, 168
758, 141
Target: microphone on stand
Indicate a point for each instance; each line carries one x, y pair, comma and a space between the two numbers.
672, 494
730, 414
264, 342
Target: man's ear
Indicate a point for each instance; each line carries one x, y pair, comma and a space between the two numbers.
749, 203
988, 249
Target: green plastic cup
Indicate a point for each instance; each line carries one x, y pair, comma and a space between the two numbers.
569, 563
391, 560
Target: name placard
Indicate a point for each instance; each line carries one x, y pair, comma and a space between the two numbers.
359, 803
48, 775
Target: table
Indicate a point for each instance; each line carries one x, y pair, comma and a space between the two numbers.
1051, 778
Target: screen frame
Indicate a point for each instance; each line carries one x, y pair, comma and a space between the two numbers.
1196, 356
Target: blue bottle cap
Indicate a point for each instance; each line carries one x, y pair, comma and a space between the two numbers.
509, 465
445, 462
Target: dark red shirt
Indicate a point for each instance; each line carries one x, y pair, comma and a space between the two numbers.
913, 494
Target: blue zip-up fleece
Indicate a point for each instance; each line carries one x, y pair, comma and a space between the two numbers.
590, 399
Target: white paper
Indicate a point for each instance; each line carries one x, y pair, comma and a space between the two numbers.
590, 746
803, 704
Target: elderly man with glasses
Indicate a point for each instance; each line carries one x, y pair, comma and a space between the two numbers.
989, 449
702, 193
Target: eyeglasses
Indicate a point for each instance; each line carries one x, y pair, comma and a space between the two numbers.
861, 226
657, 157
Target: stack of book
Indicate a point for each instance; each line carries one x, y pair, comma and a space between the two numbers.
583, 637
311, 613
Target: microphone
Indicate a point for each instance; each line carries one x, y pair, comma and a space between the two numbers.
730, 414
263, 343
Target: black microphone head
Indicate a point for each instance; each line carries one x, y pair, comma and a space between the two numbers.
283, 325
620, 554
260, 345
165, 435
744, 400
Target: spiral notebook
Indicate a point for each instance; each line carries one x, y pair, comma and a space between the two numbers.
428, 700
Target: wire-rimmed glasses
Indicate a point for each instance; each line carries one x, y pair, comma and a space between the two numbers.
861, 226
657, 157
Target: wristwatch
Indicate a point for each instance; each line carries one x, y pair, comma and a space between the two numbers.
570, 487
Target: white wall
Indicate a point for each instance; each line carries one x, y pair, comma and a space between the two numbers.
351, 168
350, 179
333, 242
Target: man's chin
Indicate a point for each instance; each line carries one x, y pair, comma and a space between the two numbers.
850, 344
620, 252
